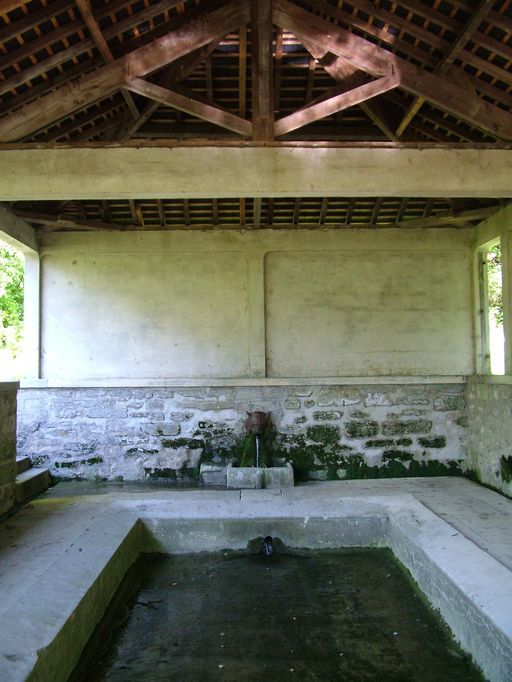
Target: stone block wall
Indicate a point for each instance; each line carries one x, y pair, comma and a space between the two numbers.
490, 432
326, 432
7, 444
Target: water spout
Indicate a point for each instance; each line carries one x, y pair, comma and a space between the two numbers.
268, 548
257, 449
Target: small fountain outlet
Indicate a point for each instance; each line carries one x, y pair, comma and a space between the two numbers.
255, 470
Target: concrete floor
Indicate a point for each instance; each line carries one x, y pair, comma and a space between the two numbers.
57, 544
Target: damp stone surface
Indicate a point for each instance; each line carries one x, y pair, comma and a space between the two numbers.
350, 614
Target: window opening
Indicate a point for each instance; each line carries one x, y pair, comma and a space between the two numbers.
491, 282
12, 275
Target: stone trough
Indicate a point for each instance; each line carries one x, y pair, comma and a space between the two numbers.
78, 550
214, 475
246, 478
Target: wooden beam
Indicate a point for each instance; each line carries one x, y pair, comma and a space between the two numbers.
256, 213
323, 211
337, 102
440, 220
380, 62
242, 71
161, 213
8, 5
33, 18
82, 46
52, 223
262, 70
278, 69
16, 231
177, 71
88, 89
341, 71
183, 101
296, 210
455, 48
87, 15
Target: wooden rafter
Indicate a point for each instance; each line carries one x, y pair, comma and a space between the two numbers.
262, 70
380, 62
336, 213
184, 100
440, 220
341, 71
87, 14
8, 5
76, 49
335, 101
136, 64
175, 72
242, 71
52, 223
455, 48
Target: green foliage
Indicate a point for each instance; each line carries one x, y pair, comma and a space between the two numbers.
247, 451
494, 283
11, 298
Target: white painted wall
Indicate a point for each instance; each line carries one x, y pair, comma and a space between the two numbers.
222, 304
368, 313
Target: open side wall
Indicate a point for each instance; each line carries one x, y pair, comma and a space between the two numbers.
490, 397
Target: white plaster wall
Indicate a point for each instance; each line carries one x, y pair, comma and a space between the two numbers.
239, 304
368, 313
144, 315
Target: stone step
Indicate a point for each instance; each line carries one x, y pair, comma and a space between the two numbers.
22, 464
31, 483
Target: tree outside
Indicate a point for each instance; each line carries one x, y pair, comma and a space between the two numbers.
12, 269
495, 304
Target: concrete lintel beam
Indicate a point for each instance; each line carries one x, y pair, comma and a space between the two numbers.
16, 232
285, 171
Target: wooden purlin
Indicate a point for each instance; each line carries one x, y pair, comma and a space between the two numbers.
285, 213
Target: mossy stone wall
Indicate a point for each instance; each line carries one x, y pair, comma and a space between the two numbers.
490, 433
326, 432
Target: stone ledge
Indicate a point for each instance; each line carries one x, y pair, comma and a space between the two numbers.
255, 381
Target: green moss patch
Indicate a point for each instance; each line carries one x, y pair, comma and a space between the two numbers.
323, 433
400, 455
433, 442
361, 428
506, 468
400, 428
379, 443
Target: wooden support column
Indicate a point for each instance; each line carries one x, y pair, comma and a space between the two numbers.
262, 70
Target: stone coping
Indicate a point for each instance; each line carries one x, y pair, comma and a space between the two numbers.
64, 557
9, 385
256, 381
